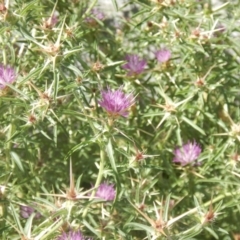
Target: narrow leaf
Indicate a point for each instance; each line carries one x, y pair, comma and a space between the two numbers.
109, 150
193, 125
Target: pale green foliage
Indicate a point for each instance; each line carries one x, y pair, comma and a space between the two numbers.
51, 120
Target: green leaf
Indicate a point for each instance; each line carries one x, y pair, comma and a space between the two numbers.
91, 228
188, 234
29, 7
110, 154
193, 125
166, 209
28, 225
16, 218
211, 231
49, 230
17, 160
33, 74
78, 147
139, 226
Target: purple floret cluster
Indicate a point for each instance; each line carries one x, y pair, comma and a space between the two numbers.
73, 235
7, 76
106, 191
134, 64
187, 154
116, 102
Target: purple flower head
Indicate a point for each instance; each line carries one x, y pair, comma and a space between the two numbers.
53, 20
187, 153
95, 14
163, 55
134, 64
116, 102
73, 236
106, 191
26, 212
7, 76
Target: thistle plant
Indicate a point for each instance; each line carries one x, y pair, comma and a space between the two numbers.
139, 99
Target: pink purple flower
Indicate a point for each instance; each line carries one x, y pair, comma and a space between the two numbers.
116, 102
7, 76
106, 191
73, 236
53, 20
27, 211
187, 154
134, 64
95, 14
163, 55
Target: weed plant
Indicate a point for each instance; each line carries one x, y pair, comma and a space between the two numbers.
119, 125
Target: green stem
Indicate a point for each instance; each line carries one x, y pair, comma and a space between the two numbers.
9, 136
3, 51
191, 182
99, 177
101, 168
85, 113
89, 8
